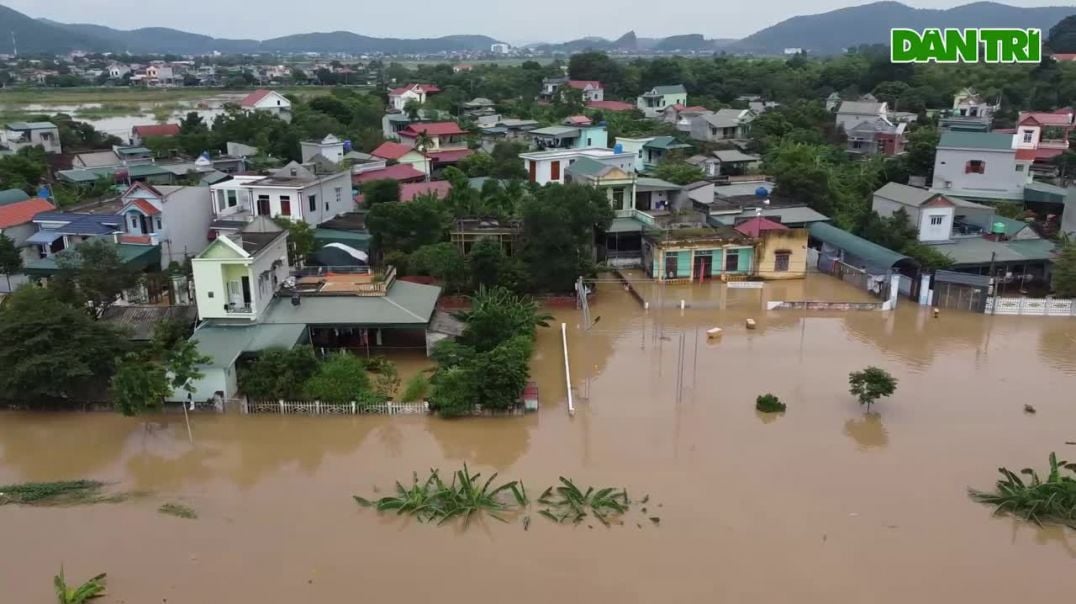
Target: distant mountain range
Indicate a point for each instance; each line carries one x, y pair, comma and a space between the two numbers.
825, 33
832, 32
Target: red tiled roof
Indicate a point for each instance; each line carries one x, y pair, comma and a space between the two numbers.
432, 129
146, 207
582, 84
755, 226
21, 212
427, 88
1004, 130
1045, 119
391, 150
1045, 154
440, 188
578, 120
694, 108
450, 156
1025, 154
252, 99
611, 105
156, 130
1064, 56
399, 172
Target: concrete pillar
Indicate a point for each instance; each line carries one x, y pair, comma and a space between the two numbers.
924, 290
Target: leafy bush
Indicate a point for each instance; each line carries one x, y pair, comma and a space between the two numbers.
768, 403
51, 493
498, 315
465, 496
871, 384
340, 379
278, 373
416, 389
1035, 500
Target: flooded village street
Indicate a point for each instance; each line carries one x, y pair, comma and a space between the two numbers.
822, 504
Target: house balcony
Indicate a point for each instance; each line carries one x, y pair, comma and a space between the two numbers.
239, 309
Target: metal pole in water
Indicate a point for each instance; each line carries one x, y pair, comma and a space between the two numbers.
567, 370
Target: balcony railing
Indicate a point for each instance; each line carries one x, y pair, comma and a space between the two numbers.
239, 309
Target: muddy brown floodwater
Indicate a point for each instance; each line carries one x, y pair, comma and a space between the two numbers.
824, 504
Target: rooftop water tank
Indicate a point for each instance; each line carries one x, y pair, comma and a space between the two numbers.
618, 148
998, 228
347, 146
762, 193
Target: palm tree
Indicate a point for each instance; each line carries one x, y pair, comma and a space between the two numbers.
423, 143
94, 588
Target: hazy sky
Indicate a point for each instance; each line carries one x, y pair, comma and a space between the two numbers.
513, 21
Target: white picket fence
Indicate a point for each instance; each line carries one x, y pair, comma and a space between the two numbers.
320, 408
1031, 307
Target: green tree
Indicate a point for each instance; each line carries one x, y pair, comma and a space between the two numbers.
10, 259
504, 372
678, 172
24, 169
98, 272
300, 239
380, 191
871, 384
454, 392
278, 373
182, 362
1064, 271
497, 315
442, 261
139, 385
412, 109
50, 350
339, 379
192, 123
559, 224
920, 151
405, 227
489, 266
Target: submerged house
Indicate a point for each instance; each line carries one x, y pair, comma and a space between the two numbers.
250, 300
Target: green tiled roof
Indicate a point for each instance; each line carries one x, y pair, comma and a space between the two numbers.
133, 255
666, 143
224, 343
12, 196
405, 305
147, 170
873, 254
977, 251
359, 241
586, 166
992, 141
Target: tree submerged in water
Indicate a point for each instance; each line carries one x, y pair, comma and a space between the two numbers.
434, 500
768, 403
871, 384
1035, 500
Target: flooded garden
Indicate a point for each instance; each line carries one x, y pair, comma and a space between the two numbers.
821, 503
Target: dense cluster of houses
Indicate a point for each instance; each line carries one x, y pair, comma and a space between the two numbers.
728, 226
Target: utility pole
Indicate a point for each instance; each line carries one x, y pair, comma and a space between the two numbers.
14, 45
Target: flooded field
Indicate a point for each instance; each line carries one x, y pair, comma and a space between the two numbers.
823, 504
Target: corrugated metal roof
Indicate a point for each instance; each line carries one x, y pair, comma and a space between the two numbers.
406, 304
961, 278
224, 343
12, 195
655, 184
666, 143
1041, 191
978, 251
873, 254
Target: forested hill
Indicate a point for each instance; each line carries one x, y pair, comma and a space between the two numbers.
834, 31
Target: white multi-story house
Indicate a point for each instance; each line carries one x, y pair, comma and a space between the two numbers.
419, 93
293, 192
330, 147
654, 101
175, 218
723, 125
268, 101
853, 113
18, 135
118, 70
544, 167
237, 275
982, 165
